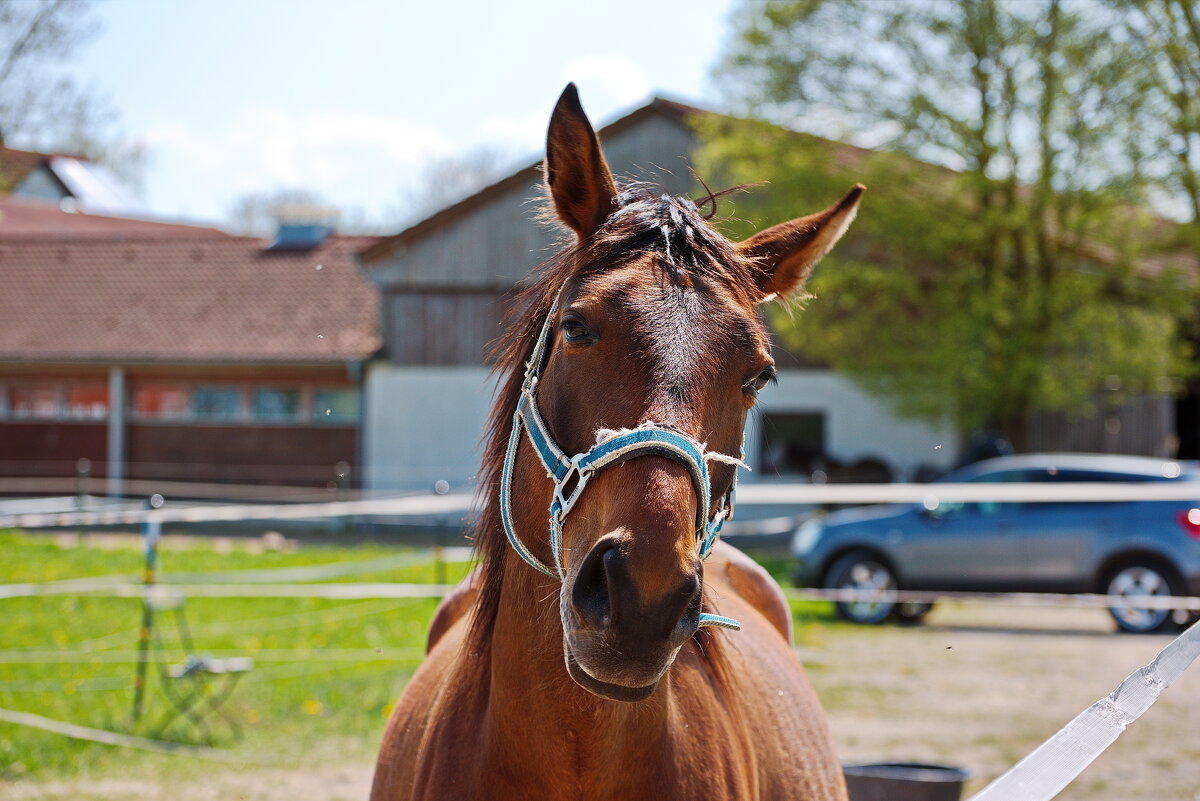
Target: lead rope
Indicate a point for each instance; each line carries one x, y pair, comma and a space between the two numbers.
1055, 763
611, 449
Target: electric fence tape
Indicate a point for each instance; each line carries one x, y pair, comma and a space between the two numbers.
1055, 763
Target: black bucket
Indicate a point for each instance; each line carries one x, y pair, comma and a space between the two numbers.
904, 781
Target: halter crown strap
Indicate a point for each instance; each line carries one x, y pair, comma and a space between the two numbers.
571, 474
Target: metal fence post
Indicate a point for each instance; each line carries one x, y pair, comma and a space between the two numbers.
83, 470
151, 532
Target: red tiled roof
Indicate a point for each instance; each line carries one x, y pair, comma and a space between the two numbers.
136, 291
23, 218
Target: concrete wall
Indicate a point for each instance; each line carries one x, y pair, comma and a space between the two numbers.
423, 424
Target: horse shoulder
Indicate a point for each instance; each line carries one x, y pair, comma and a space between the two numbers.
753, 584
455, 606
428, 730
777, 711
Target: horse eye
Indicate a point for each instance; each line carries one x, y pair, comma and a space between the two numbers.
760, 381
576, 332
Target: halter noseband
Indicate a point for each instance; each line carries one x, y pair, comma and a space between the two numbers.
571, 474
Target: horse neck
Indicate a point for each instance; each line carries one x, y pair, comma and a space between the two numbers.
539, 718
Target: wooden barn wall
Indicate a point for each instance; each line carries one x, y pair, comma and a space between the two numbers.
441, 294
51, 448
441, 328
240, 453
1143, 426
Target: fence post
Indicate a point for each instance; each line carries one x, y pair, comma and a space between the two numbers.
440, 487
151, 532
341, 478
83, 470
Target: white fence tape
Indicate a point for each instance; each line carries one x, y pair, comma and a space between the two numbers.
105, 737
930, 494
106, 588
456, 504
351, 591
1055, 763
748, 494
1086, 600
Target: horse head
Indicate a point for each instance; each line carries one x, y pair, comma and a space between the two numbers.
655, 324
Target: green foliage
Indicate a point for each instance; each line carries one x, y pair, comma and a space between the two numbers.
1024, 279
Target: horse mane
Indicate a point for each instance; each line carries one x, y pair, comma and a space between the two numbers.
646, 221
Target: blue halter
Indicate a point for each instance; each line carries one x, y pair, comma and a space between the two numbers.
571, 474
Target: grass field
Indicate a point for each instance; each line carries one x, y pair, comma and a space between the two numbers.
325, 675
976, 685
326, 672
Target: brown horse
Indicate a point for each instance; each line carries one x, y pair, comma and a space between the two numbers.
601, 684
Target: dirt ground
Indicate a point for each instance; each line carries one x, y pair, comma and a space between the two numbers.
979, 687
974, 687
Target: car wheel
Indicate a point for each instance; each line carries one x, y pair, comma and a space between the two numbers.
1140, 580
912, 611
861, 571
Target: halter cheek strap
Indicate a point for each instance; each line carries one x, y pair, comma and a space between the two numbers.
571, 474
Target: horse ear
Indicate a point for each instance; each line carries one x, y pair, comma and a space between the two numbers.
786, 253
576, 173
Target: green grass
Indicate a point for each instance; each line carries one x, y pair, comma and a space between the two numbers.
326, 672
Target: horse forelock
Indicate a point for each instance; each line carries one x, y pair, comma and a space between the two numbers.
669, 234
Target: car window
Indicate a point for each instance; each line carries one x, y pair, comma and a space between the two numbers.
986, 507
1069, 476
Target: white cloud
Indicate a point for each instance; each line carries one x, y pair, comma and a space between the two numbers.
354, 160
607, 84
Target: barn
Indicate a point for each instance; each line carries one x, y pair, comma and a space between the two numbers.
167, 352
442, 284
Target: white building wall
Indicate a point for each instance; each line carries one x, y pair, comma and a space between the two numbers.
424, 424
857, 425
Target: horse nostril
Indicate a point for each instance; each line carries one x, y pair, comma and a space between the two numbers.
688, 621
590, 595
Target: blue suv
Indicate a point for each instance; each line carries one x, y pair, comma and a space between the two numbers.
1131, 549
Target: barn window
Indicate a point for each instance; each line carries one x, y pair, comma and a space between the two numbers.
276, 404
793, 442
34, 401
85, 401
335, 406
160, 402
216, 403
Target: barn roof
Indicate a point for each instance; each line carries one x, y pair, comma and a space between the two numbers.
520, 179
88, 288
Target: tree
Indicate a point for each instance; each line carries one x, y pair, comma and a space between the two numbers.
1165, 36
447, 180
259, 213
1015, 277
42, 108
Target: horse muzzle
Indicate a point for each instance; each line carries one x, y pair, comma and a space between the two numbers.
619, 638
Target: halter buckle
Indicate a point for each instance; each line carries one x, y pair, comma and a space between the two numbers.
563, 503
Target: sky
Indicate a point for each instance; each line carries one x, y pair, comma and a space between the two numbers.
353, 98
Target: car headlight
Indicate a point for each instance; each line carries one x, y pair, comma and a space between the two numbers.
806, 536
